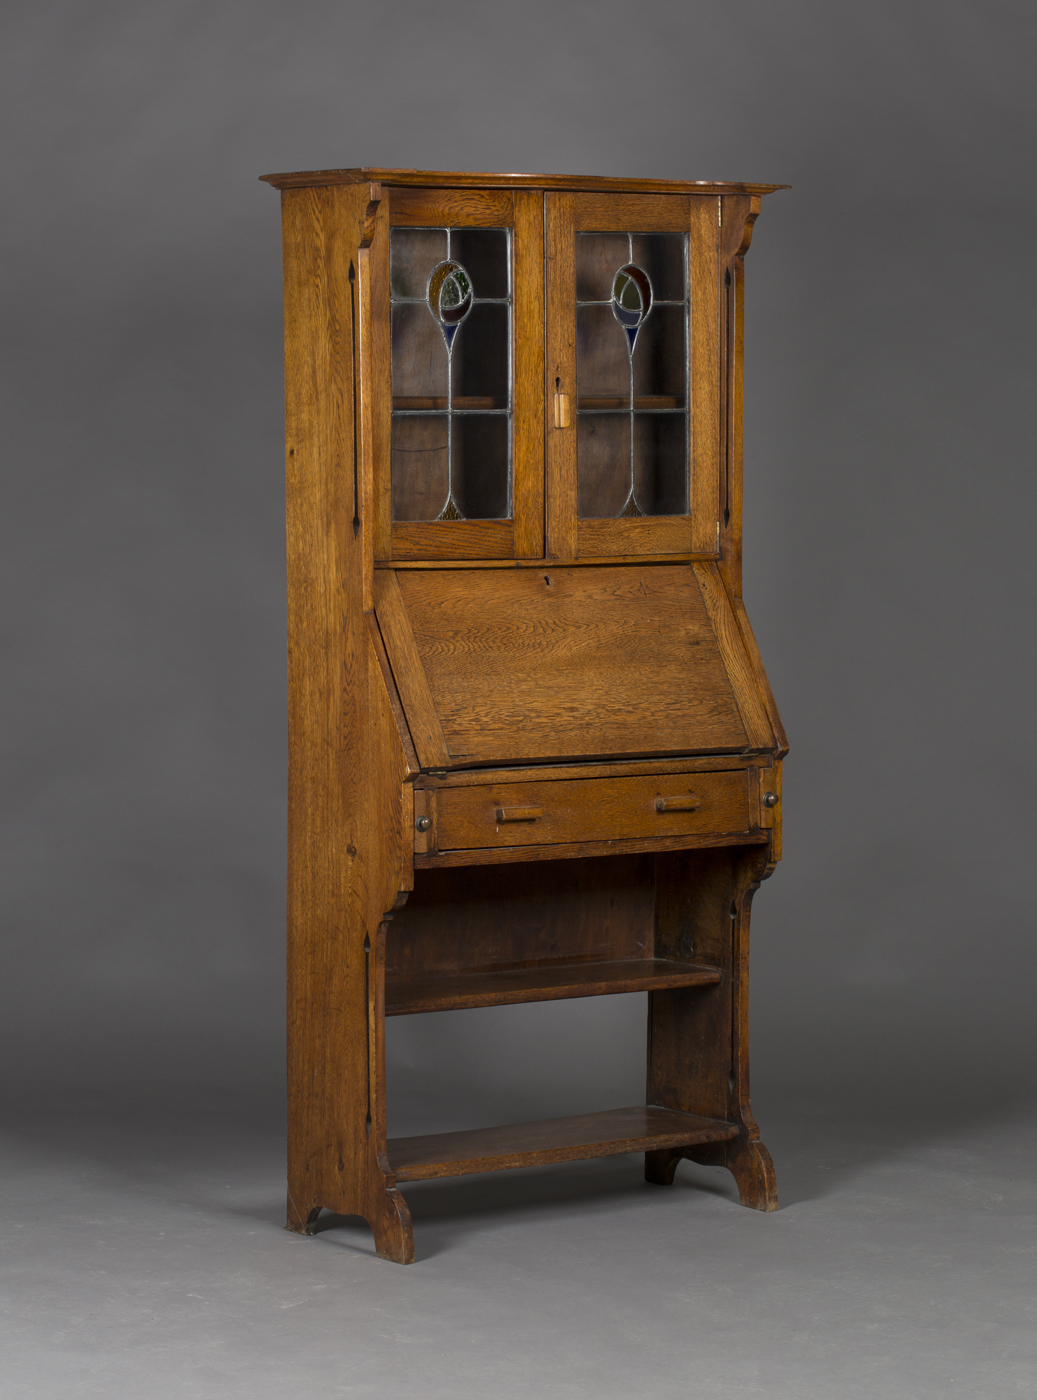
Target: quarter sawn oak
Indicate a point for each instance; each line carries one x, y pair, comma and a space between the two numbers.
530, 758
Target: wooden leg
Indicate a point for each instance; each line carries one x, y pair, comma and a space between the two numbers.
392, 1229
749, 1163
661, 1165
302, 1220
389, 1219
698, 1038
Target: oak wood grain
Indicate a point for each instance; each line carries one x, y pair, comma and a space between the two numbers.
560, 372
631, 538
522, 212
496, 918
546, 982
419, 706
528, 453
453, 540
524, 665
737, 663
438, 207
585, 1135
501, 854
698, 1056
674, 557
410, 757
478, 777
605, 717
350, 855
463, 179
592, 809
703, 257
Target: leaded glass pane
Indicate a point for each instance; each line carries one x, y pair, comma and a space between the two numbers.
420, 478
413, 253
451, 373
632, 374
420, 360
602, 440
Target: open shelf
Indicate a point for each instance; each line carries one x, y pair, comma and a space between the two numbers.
452, 991
436, 403
641, 1129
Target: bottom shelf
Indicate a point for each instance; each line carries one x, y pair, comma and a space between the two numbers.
606, 1134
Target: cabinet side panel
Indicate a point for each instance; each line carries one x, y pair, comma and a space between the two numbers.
698, 1058
315, 515
740, 212
346, 853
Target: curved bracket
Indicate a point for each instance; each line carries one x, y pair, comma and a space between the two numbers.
367, 223
747, 229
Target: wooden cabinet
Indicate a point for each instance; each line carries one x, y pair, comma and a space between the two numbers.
516, 634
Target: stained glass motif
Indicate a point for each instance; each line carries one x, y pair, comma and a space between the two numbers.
632, 375
449, 297
451, 373
631, 299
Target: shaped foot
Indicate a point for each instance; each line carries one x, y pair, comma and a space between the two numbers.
392, 1229
661, 1164
751, 1166
302, 1220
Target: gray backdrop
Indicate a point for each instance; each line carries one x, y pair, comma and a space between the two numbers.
889, 517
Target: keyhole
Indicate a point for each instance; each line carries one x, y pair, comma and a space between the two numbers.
546, 579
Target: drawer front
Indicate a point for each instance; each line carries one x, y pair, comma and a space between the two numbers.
592, 809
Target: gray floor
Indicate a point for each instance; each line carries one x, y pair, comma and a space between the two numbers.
145, 1258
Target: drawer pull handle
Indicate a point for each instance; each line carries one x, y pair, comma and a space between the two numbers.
689, 803
519, 814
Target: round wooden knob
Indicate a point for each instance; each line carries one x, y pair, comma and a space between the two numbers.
424, 823
770, 799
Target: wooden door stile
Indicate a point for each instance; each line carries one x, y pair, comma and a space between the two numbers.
705, 372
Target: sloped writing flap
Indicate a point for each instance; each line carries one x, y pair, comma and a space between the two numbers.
498, 666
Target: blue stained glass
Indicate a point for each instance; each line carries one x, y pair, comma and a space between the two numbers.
449, 297
631, 299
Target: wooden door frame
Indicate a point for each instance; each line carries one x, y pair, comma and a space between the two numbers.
565, 214
522, 537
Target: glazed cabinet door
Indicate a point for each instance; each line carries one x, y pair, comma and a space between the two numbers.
632, 374
456, 361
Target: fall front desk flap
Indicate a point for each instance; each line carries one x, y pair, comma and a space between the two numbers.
505, 666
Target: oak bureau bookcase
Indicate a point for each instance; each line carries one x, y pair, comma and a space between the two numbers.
516, 634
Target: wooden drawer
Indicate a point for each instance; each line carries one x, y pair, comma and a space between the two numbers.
591, 809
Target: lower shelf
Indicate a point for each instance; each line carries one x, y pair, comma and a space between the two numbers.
641, 1129
450, 991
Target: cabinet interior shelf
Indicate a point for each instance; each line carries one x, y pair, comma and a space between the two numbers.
610, 403
438, 403
452, 991
640, 1129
